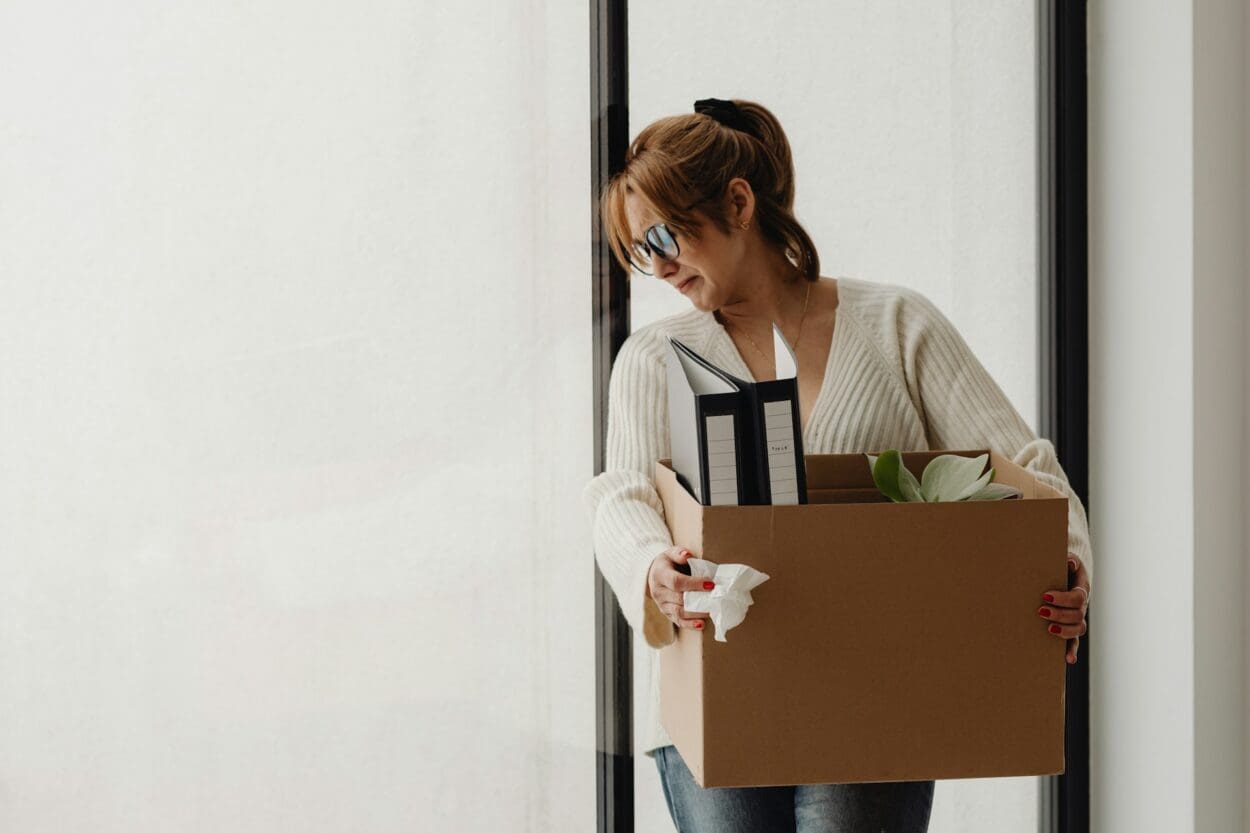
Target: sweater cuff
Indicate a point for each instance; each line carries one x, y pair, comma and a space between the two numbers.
1039, 457
629, 532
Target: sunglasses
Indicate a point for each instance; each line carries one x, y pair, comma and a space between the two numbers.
657, 240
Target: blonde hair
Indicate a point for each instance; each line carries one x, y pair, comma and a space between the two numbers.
679, 163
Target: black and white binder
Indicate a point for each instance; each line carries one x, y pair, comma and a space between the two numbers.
736, 442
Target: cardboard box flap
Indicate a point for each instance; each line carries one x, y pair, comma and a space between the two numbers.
1021, 478
686, 526
851, 471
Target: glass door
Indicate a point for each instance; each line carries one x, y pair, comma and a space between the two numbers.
914, 133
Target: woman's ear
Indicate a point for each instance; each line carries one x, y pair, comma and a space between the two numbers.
740, 201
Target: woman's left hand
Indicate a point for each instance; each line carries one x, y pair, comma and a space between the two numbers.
1065, 609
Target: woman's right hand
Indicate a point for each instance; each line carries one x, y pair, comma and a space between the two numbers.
666, 585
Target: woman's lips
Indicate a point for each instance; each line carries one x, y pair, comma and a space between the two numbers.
684, 285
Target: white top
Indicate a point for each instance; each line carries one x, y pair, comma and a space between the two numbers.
899, 375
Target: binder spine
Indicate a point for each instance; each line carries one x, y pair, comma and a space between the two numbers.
779, 443
721, 468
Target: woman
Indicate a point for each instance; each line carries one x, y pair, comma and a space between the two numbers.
705, 203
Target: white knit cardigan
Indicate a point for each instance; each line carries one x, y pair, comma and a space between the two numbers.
899, 375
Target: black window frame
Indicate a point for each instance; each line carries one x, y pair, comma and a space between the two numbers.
1062, 350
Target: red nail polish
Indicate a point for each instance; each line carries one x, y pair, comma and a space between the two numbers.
1043, 611
1054, 629
699, 625
1048, 598
707, 585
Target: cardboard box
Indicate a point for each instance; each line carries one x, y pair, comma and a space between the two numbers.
892, 641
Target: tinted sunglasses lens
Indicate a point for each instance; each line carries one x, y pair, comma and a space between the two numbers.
662, 241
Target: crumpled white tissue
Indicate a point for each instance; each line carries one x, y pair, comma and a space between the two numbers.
726, 603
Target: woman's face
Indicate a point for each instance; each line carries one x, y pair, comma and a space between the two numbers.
707, 271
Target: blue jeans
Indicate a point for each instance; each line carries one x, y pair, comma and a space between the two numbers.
876, 807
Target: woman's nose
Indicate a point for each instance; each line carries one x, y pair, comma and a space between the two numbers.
662, 268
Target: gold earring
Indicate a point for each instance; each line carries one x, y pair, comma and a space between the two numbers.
744, 225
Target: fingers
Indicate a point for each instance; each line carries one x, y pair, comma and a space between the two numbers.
682, 618
1077, 594
1064, 610
1078, 576
671, 599
666, 576
680, 583
678, 555
1062, 615
1077, 598
1065, 631
667, 587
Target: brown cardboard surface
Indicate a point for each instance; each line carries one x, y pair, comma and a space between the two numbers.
891, 642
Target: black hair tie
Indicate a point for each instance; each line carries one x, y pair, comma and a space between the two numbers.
725, 112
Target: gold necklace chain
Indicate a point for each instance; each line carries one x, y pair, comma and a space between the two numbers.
807, 296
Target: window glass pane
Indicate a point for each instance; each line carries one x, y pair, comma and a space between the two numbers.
914, 134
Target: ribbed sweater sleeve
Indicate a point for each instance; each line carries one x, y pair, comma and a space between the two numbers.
627, 519
963, 407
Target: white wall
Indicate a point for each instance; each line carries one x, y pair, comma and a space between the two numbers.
1168, 223
295, 417
915, 137
1220, 191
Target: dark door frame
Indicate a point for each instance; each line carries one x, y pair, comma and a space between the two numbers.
1063, 342
1063, 378
614, 672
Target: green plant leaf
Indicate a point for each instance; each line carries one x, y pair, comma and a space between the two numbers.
948, 475
994, 491
908, 485
975, 486
885, 474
